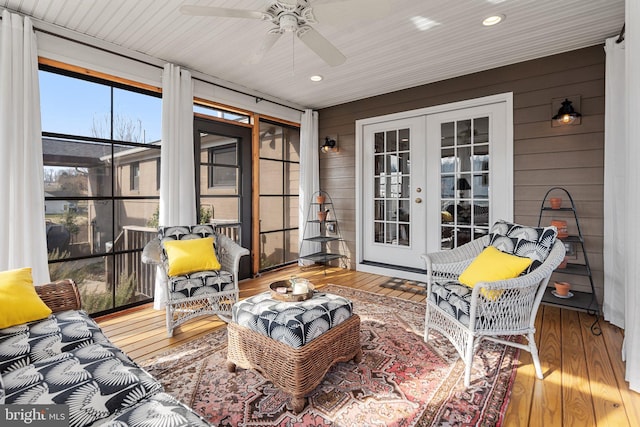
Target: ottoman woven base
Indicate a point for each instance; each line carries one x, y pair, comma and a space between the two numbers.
296, 371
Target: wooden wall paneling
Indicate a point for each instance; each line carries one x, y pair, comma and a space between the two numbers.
544, 156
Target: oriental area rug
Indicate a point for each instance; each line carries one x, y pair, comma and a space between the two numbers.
401, 380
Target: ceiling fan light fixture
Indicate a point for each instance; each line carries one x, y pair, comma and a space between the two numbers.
288, 23
492, 20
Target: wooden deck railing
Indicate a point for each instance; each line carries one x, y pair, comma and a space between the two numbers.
129, 265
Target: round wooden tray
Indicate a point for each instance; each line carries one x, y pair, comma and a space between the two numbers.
289, 296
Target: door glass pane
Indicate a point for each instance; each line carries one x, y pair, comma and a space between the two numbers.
279, 201
392, 186
464, 181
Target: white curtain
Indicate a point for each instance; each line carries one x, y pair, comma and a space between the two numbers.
309, 178
22, 222
615, 142
621, 251
631, 347
177, 169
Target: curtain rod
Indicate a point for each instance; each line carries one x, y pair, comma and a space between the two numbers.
621, 35
51, 33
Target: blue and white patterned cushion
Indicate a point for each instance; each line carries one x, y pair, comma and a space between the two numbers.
95, 381
293, 323
452, 297
534, 243
160, 410
60, 332
200, 283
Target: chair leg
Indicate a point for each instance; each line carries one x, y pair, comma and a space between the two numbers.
169, 321
468, 361
534, 355
426, 326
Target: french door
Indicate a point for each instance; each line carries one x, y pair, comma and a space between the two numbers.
394, 192
432, 181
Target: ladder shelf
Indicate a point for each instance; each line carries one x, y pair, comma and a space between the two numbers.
579, 300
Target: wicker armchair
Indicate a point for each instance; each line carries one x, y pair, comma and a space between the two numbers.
210, 292
60, 296
512, 313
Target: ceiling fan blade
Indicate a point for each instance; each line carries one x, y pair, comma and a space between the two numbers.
344, 12
222, 11
270, 39
321, 46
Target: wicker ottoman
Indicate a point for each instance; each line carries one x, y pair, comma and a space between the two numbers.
294, 370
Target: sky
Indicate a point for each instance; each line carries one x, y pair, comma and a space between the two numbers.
71, 105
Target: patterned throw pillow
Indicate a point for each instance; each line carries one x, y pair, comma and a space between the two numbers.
524, 241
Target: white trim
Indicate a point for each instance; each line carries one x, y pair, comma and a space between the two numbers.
505, 178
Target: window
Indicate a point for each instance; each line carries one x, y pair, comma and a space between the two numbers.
135, 176
101, 148
222, 166
221, 113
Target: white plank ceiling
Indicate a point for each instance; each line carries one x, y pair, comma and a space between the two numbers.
383, 55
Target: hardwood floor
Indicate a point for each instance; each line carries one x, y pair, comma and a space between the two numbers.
584, 375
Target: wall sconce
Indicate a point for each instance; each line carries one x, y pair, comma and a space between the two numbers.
329, 145
567, 114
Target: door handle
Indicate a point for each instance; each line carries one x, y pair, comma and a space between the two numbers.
418, 200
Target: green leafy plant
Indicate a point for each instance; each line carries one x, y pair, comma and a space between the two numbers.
97, 298
204, 217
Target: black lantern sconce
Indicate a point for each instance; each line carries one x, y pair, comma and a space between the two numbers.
329, 145
567, 114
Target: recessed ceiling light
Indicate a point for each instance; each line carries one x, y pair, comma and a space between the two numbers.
316, 78
493, 20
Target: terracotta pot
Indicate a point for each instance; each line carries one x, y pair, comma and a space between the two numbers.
322, 215
562, 228
563, 264
320, 199
556, 202
562, 288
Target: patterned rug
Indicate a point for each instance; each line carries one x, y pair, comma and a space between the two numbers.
406, 286
401, 381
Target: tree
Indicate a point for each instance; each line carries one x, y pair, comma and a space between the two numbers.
124, 128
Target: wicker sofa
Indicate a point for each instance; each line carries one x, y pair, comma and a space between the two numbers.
66, 359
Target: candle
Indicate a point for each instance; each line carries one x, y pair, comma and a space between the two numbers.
300, 288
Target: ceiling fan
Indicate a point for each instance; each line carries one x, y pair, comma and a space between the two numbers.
297, 16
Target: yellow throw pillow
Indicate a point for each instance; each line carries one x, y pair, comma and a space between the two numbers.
188, 256
19, 301
492, 265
